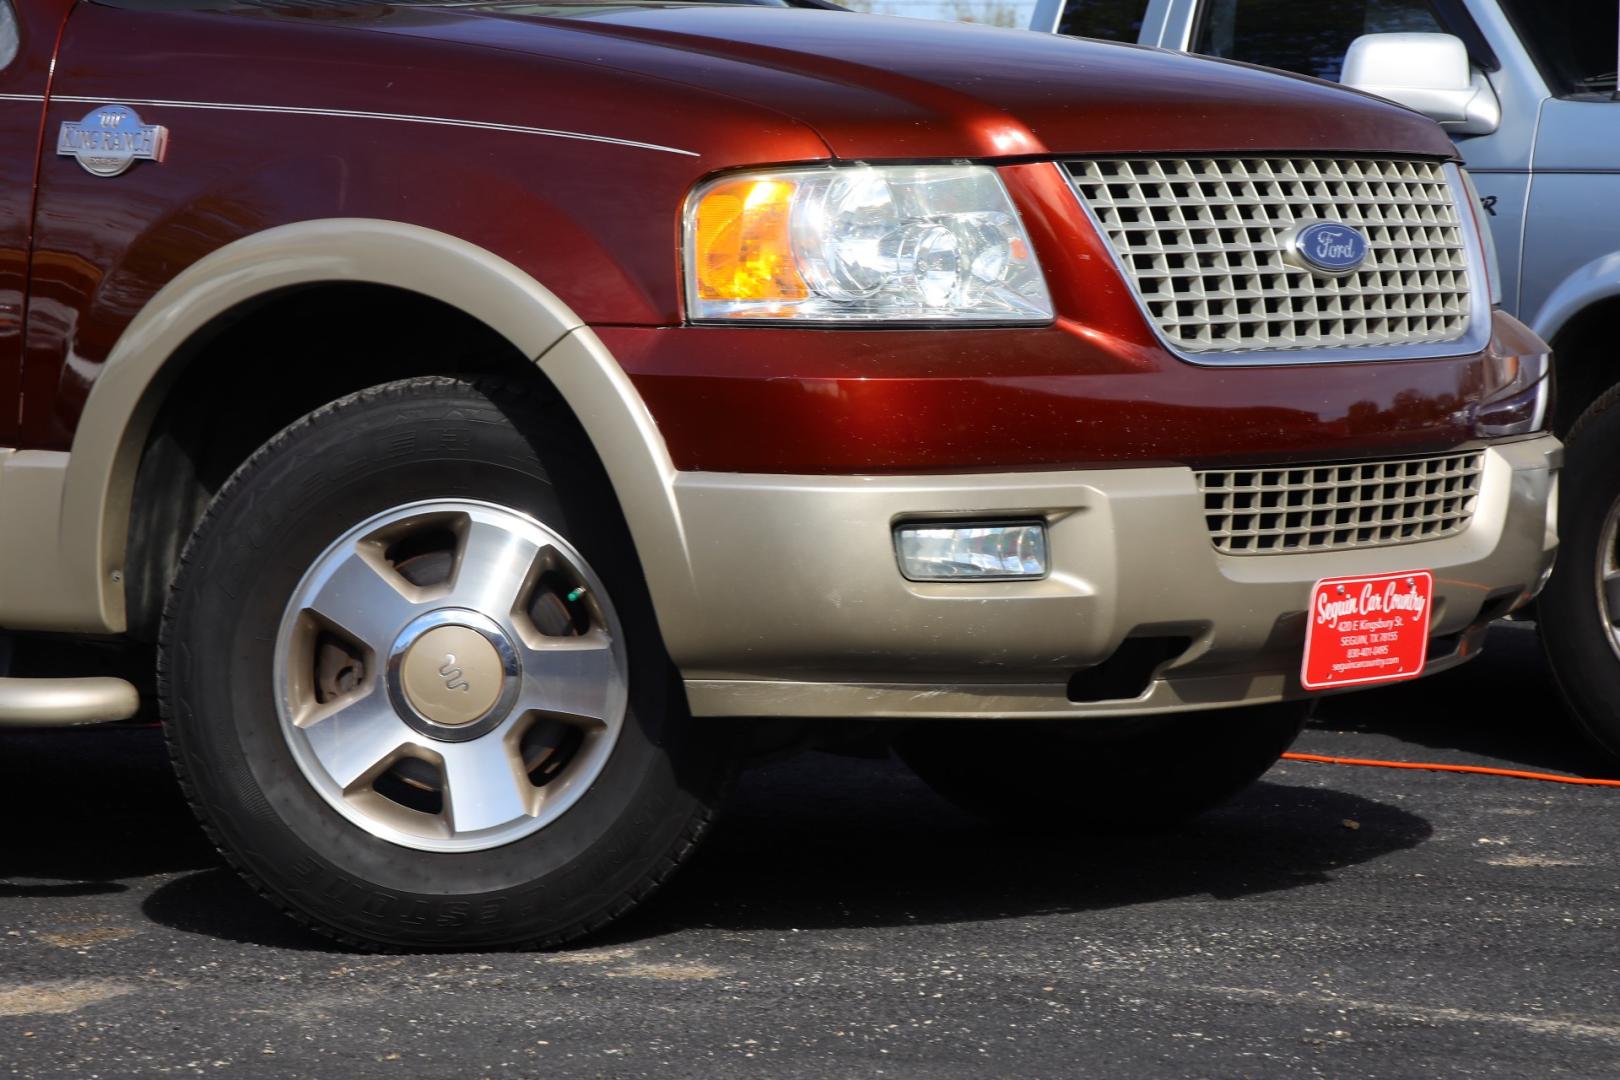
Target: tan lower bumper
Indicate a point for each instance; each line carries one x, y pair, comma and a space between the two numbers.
795, 605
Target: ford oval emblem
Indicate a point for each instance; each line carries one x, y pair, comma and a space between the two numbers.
1328, 247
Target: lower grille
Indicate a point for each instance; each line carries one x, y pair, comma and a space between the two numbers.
1333, 507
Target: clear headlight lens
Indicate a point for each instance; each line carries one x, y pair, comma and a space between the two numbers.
912, 243
1518, 404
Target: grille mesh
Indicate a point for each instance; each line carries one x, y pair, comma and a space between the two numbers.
1332, 507
1203, 241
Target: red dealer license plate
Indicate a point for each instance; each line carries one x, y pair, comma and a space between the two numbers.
1362, 630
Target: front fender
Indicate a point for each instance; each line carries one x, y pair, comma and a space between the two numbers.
1595, 281
78, 505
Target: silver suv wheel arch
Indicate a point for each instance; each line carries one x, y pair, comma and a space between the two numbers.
1593, 283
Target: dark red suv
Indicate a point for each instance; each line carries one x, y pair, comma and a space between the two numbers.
497, 419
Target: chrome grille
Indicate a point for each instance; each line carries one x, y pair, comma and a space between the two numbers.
1332, 507
1203, 241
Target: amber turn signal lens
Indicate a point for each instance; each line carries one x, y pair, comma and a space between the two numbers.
743, 250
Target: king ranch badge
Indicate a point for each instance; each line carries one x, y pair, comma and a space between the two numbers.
1361, 630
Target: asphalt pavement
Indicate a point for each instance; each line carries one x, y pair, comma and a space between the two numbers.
844, 922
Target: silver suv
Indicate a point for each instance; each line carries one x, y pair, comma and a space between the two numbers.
1527, 90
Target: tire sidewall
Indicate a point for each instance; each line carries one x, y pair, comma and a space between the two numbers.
268, 526
1573, 631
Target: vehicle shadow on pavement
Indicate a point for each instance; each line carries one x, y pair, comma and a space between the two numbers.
101, 812
92, 809
825, 843
1502, 706
813, 842
858, 844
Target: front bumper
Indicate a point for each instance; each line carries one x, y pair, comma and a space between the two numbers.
795, 605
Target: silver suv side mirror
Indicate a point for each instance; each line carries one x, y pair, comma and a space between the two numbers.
1426, 72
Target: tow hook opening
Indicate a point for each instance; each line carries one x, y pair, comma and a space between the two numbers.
1126, 674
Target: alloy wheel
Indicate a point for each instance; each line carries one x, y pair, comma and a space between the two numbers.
451, 675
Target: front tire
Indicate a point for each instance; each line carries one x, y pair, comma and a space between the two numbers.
1578, 614
412, 681
1103, 775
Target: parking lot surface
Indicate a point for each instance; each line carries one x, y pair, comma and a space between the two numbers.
843, 921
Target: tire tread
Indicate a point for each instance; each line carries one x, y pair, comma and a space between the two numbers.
1585, 671
687, 840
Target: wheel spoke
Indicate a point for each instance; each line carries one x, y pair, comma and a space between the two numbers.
492, 568
576, 678
1611, 594
350, 742
483, 785
358, 598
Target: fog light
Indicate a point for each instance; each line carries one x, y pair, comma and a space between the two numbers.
986, 551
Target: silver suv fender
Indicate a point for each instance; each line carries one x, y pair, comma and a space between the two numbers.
1596, 281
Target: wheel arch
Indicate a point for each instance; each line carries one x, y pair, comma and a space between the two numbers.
1592, 283
97, 478
1576, 317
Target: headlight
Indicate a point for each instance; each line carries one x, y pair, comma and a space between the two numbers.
1487, 239
865, 244
1522, 391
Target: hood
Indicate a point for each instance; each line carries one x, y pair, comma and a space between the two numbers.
888, 87
723, 75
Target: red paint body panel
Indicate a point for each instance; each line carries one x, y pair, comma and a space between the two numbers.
21, 120
1061, 397
1094, 388
934, 89
597, 222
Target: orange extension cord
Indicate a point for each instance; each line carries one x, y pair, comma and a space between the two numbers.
1518, 774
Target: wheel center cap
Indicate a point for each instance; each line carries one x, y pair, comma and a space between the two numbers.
452, 675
